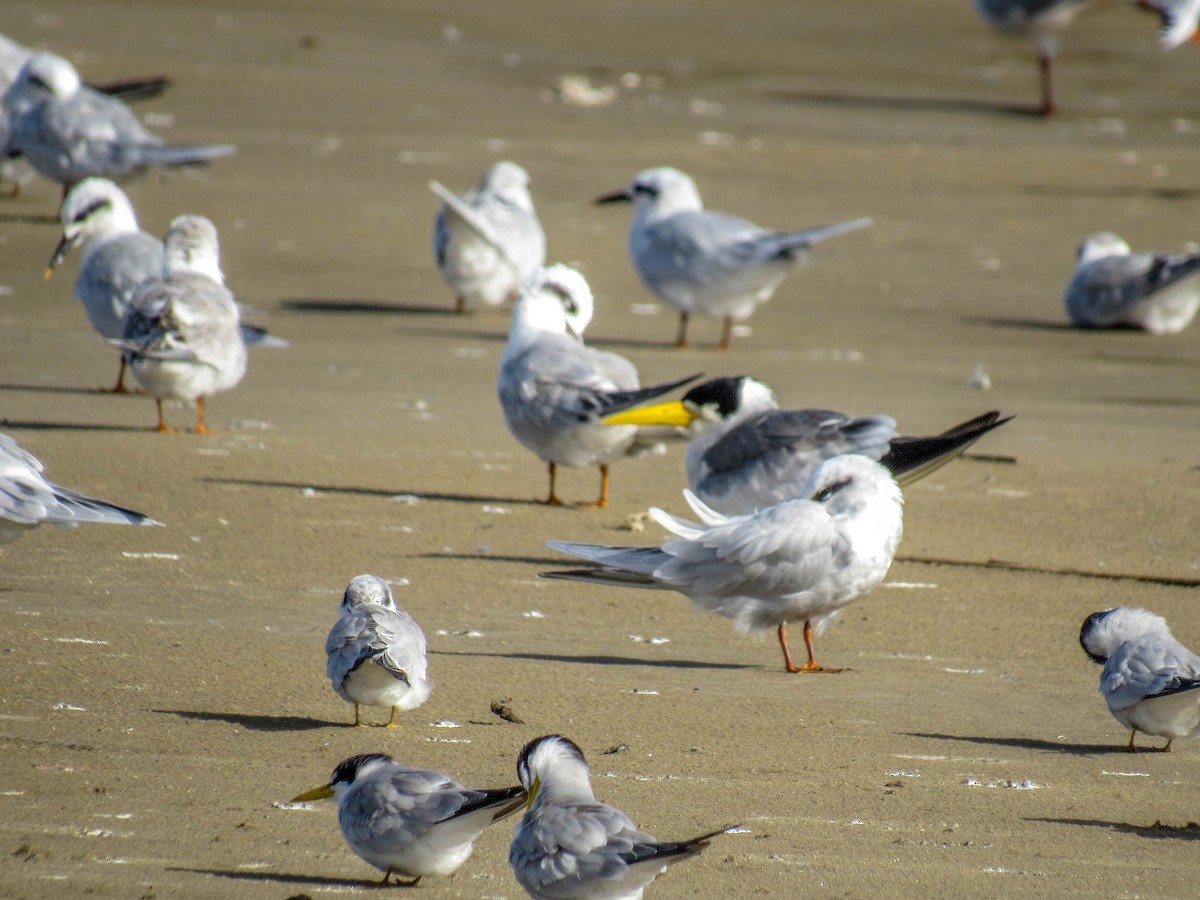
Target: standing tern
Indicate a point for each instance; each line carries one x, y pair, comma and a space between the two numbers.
182, 331
1150, 681
1114, 287
488, 241
377, 653
408, 821
118, 257
69, 131
1042, 20
799, 560
571, 845
554, 390
746, 454
28, 500
699, 261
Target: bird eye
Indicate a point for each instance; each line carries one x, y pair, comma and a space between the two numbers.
826, 492
572, 308
648, 190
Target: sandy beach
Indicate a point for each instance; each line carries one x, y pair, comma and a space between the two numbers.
164, 688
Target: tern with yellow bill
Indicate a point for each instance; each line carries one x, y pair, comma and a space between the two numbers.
745, 453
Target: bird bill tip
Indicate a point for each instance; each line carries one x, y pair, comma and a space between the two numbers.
672, 413
319, 793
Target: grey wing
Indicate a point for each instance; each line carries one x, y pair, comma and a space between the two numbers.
404, 649
571, 845
1146, 668
1103, 293
117, 270
700, 246
778, 440
150, 328
352, 642
784, 549
400, 806
558, 383
26, 498
98, 133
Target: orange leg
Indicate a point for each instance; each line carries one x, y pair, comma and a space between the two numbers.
119, 387
681, 337
811, 665
603, 501
1046, 67
162, 423
726, 334
201, 428
553, 500
460, 305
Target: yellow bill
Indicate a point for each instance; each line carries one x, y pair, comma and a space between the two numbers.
323, 792
674, 413
533, 791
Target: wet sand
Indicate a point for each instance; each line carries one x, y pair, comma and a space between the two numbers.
165, 689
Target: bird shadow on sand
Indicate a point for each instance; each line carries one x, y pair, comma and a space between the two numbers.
1019, 324
256, 722
75, 426
374, 492
909, 103
604, 660
66, 389
363, 307
289, 878
1188, 832
1022, 743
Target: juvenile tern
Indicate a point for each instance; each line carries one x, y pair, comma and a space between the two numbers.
488, 241
28, 500
745, 453
376, 651
118, 257
799, 560
571, 845
407, 821
1150, 681
554, 390
1042, 20
698, 261
69, 131
182, 330
1114, 287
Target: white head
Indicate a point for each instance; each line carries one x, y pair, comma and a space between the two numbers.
191, 246
552, 300
368, 590
1103, 631
43, 76
556, 765
848, 483
510, 183
658, 193
1098, 246
94, 208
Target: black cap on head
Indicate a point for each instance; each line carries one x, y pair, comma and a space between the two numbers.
719, 392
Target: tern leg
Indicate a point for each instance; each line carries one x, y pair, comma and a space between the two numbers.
681, 337
553, 500
1167, 749
726, 334
119, 387
811, 665
1046, 67
602, 502
201, 428
391, 722
1132, 748
162, 423
460, 305
358, 717
387, 875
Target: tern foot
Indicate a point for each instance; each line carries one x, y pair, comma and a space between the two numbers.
811, 668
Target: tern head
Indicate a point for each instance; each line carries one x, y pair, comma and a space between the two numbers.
347, 772
191, 246
555, 299
368, 590
846, 483
1098, 246
1103, 631
509, 183
658, 192
554, 763
43, 76
95, 207
717, 401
